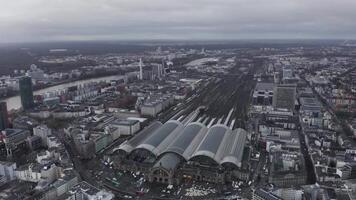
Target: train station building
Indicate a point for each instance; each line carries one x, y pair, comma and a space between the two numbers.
171, 152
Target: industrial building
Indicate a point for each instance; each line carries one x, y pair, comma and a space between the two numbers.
173, 151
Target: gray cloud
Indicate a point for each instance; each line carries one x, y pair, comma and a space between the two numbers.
46, 20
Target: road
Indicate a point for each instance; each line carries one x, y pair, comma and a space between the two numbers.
311, 177
331, 110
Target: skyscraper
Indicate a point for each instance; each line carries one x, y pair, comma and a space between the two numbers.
4, 117
284, 96
141, 70
26, 92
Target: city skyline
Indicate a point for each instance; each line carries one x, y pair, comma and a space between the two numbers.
178, 99
40, 21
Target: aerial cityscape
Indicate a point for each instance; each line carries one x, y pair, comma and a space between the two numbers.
91, 110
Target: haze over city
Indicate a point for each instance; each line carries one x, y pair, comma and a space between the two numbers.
58, 20
177, 99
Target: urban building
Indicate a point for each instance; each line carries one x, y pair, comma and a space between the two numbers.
289, 193
84, 146
24, 122
85, 191
263, 194
126, 127
26, 93
100, 140
287, 73
263, 94
43, 132
4, 117
7, 170
14, 140
287, 169
34, 172
156, 104
36, 74
168, 153
348, 171
141, 69
34, 142
310, 106
284, 96
64, 184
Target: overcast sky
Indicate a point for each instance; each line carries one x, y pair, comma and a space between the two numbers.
52, 20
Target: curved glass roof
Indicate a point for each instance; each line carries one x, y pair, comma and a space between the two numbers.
168, 161
235, 148
145, 133
160, 134
213, 139
185, 138
129, 145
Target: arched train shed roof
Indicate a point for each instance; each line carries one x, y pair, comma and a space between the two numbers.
213, 143
187, 140
129, 145
159, 140
194, 142
235, 148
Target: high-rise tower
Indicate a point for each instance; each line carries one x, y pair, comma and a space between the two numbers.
26, 93
4, 117
141, 70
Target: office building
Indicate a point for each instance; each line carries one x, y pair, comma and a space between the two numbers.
156, 104
4, 118
287, 169
34, 172
85, 191
262, 194
84, 146
310, 106
126, 127
43, 132
7, 169
263, 94
284, 96
26, 93
36, 74
34, 142
14, 139
287, 73
141, 69
157, 71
